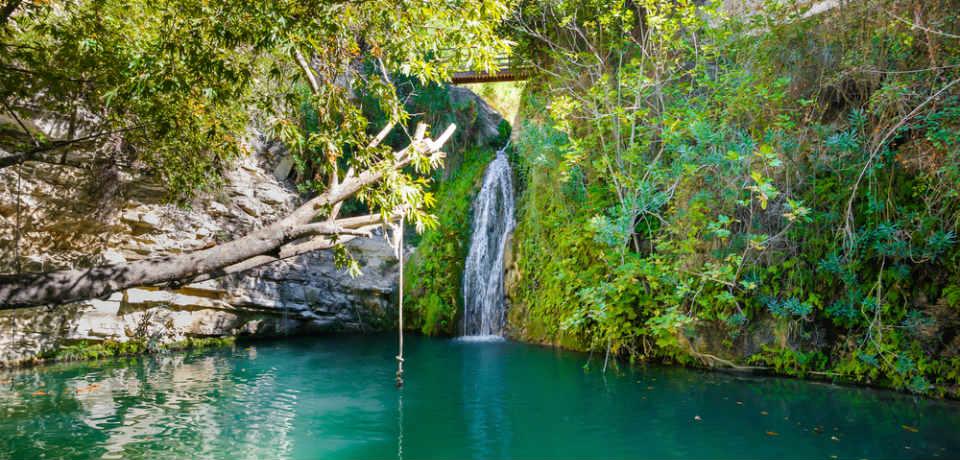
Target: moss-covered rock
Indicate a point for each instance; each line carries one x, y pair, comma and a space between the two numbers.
433, 276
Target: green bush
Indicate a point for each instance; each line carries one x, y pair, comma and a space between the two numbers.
90, 350
433, 277
700, 189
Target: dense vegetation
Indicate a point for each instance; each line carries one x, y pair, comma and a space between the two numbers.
178, 83
434, 276
776, 189
772, 190
173, 89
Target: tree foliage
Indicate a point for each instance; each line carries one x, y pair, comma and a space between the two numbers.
174, 85
772, 174
183, 79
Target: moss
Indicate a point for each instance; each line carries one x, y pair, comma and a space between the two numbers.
432, 277
87, 350
84, 350
200, 343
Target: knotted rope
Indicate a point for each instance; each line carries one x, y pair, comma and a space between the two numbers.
398, 251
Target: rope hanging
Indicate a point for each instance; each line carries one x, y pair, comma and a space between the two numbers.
398, 250
16, 235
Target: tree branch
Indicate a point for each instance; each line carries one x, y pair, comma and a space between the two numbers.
251, 250
286, 252
35, 154
324, 229
305, 67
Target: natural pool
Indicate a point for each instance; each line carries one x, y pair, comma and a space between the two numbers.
334, 398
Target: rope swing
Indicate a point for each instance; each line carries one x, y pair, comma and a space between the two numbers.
398, 251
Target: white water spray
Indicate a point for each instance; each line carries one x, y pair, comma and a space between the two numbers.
483, 295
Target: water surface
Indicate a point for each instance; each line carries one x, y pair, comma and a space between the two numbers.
334, 398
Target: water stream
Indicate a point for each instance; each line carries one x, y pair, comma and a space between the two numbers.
493, 221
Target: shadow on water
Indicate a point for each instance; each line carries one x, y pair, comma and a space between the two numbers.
334, 397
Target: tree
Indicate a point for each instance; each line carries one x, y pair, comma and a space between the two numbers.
180, 80
282, 239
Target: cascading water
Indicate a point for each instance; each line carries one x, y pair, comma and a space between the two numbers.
483, 297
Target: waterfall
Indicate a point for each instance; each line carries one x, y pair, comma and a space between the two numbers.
484, 309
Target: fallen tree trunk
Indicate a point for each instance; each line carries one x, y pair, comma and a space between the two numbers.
282, 239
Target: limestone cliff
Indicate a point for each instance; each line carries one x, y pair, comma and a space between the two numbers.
81, 216
86, 210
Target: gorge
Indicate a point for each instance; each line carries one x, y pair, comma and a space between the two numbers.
484, 309
637, 229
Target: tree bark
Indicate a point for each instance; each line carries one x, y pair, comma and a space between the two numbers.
281, 239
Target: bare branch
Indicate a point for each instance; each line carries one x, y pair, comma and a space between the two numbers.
381, 135
879, 147
305, 66
251, 250
324, 229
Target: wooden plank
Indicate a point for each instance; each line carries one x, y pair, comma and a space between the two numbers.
483, 77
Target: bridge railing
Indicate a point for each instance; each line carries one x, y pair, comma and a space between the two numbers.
505, 69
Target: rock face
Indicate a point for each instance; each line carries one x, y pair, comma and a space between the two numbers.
88, 209
478, 125
305, 294
55, 215
481, 124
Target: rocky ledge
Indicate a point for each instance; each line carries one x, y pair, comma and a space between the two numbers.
300, 295
90, 208
102, 213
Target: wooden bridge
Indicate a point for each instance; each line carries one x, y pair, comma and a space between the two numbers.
507, 70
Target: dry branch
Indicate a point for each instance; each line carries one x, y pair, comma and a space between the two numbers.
281, 239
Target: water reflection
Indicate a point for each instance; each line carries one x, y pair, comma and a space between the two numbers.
400, 424
335, 398
485, 398
134, 407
